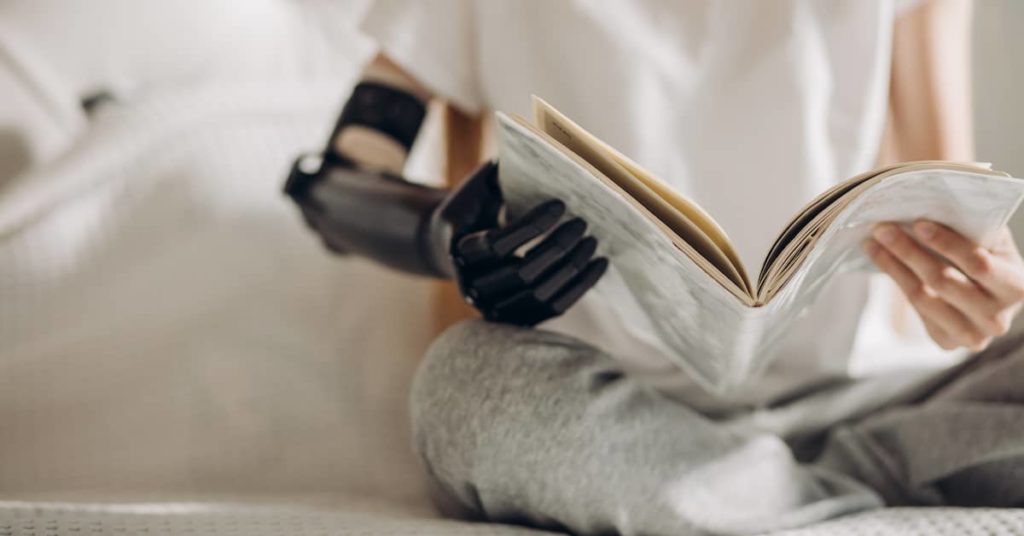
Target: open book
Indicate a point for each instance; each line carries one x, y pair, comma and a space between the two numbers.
685, 284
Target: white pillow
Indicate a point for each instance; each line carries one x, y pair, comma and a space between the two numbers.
53, 53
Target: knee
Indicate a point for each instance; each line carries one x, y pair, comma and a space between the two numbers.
448, 401
452, 375
457, 360
479, 380
472, 357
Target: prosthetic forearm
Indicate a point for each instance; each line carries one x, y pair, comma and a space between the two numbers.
372, 214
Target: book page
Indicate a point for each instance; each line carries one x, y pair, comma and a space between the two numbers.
807, 214
679, 243
684, 217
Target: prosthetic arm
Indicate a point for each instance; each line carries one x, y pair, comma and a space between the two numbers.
458, 233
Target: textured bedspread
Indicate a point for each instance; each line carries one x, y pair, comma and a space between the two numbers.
166, 519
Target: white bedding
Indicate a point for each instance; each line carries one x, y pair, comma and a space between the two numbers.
168, 325
166, 519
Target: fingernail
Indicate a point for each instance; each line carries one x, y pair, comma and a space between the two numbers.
871, 247
885, 233
925, 229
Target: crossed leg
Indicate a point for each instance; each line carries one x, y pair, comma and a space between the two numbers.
528, 426
961, 444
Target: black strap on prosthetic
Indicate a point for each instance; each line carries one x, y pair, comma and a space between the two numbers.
388, 110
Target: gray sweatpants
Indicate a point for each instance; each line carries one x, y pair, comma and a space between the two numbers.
529, 426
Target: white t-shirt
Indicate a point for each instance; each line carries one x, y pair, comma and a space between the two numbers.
750, 108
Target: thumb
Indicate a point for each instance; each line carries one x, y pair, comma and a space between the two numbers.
476, 203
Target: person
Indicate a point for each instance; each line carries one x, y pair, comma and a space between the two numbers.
583, 425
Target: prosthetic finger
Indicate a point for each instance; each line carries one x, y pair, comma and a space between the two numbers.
474, 250
535, 223
543, 256
484, 247
561, 276
493, 285
579, 286
557, 291
525, 310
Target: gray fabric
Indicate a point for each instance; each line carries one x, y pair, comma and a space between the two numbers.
530, 426
962, 444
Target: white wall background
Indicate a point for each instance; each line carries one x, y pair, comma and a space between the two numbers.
999, 88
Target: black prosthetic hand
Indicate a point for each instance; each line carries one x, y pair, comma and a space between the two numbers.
456, 234
506, 286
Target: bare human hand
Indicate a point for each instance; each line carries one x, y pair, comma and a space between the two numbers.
965, 294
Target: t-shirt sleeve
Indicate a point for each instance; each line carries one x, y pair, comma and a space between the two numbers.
434, 41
